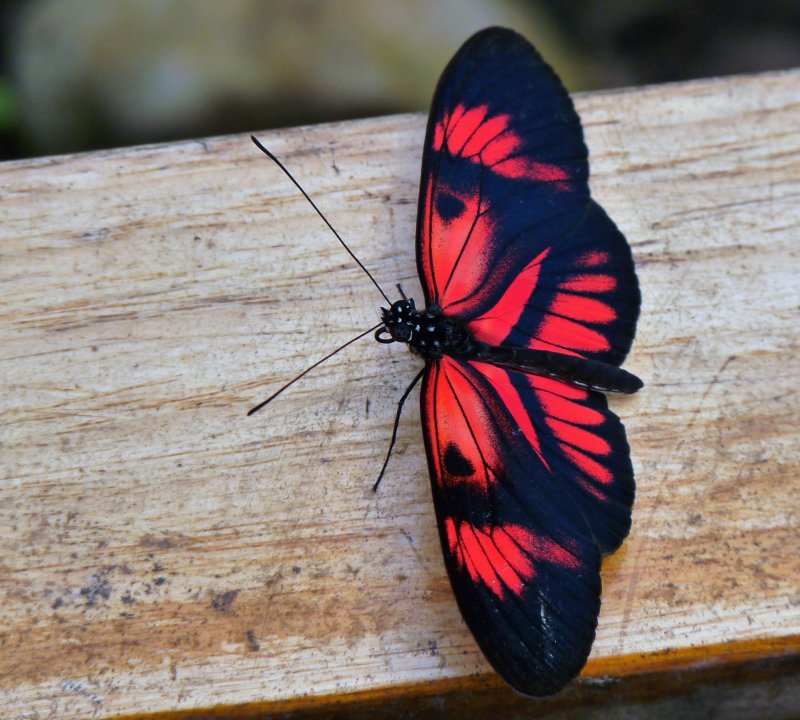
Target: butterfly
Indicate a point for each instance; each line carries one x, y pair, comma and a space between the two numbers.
531, 303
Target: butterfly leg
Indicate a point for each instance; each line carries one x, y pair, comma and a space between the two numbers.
396, 424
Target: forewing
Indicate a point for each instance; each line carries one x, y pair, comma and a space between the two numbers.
508, 239
502, 132
531, 481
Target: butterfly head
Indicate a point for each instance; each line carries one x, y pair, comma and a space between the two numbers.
399, 322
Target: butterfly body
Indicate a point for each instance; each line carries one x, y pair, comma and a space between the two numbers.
432, 334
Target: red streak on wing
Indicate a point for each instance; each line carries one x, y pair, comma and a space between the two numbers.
487, 140
501, 147
557, 387
484, 140
453, 541
601, 496
591, 467
503, 557
554, 552
521, 167
590, 283
456, 116
438, 134
492, 556
582, 308
559, 407
565, 326
583, 439
427, 270
493, 326
572, 335
468, 551
499, 380
441, 129
564, 412
593, 258
430, 426
537, 344
486, 559
461, 130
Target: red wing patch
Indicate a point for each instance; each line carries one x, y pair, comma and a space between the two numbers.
579, 431
578, 313
463, 451
457, 228
477, 136
503, 558
469, 423
493, 326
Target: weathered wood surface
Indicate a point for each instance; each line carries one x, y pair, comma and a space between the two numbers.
161, 552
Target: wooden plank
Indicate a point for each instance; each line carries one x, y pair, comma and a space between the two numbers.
161, 553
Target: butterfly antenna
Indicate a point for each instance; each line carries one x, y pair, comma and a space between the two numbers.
319, 212
260, 405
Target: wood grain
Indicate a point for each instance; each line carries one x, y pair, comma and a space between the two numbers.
162, 553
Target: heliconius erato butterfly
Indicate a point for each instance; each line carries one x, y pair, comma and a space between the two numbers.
531, 306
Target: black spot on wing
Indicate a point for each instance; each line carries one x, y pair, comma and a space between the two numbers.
456, 464
448, 206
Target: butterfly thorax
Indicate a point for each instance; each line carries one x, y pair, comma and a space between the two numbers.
428, 332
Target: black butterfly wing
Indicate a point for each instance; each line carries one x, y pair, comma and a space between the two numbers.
508, 238
522, 558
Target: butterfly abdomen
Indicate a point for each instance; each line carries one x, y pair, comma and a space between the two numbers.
576, 370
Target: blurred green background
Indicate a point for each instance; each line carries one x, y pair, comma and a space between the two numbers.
85, 74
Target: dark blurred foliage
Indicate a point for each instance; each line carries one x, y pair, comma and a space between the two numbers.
637, 42
10, 146
593, 43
